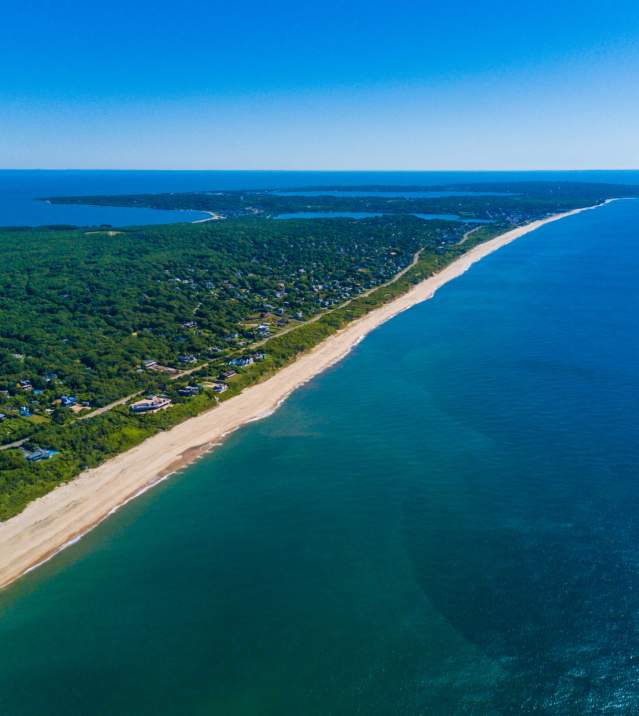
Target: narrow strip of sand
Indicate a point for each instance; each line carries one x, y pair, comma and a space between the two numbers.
50, 523
212, 216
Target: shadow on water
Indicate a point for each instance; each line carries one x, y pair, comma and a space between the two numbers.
445, 523
536, 602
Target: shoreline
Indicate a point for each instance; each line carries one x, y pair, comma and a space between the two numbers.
212, 216
64, 515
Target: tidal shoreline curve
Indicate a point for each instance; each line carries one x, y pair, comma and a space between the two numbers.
64, 515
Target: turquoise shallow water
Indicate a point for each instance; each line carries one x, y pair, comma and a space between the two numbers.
445, 523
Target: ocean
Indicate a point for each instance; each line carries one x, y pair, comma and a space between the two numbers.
446, 522
21, 190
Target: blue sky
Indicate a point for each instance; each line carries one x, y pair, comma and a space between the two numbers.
488, 84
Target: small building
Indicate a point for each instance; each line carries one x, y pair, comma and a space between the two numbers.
2, 417
187, 359
25, 411
220, 387
68, 401
242, 362
189, 390
25, 385
152, 364
38, 454
151, 404
226, 374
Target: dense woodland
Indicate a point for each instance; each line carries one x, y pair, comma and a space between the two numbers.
84, 310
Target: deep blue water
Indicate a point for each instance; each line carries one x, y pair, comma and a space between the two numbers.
447, 522
20, 192
20, 189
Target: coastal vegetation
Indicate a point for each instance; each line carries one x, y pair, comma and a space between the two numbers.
92, 319
85, 313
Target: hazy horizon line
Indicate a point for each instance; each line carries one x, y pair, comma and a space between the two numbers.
318, 171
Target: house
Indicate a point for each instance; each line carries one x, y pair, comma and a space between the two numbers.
189, 324
25, 411
226, 374
38, 454
25, 385
164, 369
259, 356
2, 417
189, 390
149, 364
187, 359
220, 387
242, 362
151, 404
66, 401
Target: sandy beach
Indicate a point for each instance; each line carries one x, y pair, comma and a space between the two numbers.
60, 517
212, 216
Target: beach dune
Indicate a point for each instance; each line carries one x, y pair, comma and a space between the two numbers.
60, 517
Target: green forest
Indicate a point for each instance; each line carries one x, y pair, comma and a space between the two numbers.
91, 316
